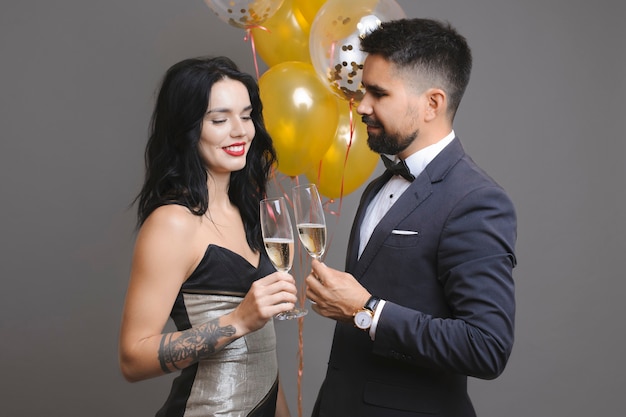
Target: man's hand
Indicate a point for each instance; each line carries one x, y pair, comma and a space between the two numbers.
335, 294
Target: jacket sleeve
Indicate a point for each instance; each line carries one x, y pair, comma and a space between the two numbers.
474, 267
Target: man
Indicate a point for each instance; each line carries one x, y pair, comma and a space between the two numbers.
428, 296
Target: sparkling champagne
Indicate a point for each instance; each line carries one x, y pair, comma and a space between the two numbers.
280, 252
313, 237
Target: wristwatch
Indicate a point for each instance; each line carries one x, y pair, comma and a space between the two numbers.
363, 318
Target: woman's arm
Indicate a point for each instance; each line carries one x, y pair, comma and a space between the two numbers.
166, 253
162, 259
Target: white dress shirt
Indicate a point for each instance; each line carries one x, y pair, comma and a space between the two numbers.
389, 194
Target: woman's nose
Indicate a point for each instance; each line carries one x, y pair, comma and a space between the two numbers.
238, 128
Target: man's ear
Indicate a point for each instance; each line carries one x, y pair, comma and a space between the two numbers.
436, 104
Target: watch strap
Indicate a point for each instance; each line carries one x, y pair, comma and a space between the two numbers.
371, 303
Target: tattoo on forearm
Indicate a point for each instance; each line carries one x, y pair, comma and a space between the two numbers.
196, 343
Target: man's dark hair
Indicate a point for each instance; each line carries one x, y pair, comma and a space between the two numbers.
433, 50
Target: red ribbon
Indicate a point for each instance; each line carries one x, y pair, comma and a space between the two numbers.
250, 35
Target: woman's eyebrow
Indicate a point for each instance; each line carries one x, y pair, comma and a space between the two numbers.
227, 110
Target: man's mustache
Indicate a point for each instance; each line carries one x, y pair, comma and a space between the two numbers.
370, 122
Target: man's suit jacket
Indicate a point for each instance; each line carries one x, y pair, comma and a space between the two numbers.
442, 258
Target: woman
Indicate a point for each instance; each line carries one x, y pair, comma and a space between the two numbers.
199, 253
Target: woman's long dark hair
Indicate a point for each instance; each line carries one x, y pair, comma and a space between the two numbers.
175, 172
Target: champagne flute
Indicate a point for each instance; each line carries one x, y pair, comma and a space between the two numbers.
310, 220
278, 241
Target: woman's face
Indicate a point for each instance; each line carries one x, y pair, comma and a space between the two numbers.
227, 128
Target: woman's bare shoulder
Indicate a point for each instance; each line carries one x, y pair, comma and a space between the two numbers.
172, 220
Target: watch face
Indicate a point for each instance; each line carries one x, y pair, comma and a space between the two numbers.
363, 319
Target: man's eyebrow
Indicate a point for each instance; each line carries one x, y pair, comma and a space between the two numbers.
374, 88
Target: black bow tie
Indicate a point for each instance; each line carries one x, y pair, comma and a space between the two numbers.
399, 168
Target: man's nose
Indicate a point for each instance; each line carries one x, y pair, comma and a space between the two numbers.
364, 107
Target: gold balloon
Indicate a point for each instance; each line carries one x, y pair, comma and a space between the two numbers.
308, 8
283, 37
300, 114
335, 175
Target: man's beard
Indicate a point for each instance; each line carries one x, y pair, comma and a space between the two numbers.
390, 144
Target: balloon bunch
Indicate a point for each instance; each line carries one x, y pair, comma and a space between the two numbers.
313, 82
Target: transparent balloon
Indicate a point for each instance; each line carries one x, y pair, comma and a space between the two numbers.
244, 13
334, 41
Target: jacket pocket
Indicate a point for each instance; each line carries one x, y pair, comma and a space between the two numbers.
402, 238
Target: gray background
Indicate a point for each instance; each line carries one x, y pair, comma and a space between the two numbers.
543, 115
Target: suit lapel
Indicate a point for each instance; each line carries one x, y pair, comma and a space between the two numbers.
355, 234
416, 194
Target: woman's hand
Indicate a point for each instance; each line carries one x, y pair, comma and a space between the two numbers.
267, 297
